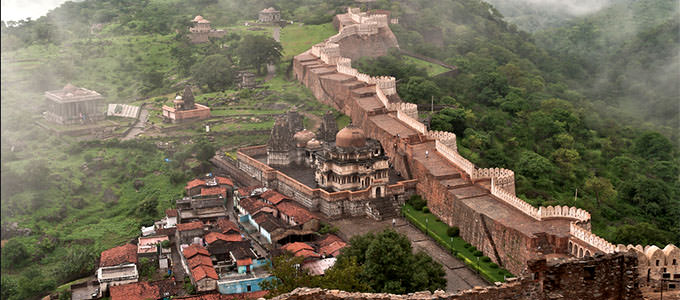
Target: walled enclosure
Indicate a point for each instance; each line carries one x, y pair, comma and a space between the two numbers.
481, 202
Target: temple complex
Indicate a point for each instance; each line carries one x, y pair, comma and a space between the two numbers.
201, 32
185, 108
74, 105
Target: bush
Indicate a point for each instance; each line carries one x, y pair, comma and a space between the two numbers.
486, 259
454, 252
467, 245
473, 248
477, 253
425, 209
493, 266
417, 202
452, 231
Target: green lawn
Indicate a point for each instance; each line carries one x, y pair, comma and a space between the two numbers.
437, 230
432, 69
297, 38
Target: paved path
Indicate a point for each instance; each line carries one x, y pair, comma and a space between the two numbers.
458, 276
271, 69
139, 125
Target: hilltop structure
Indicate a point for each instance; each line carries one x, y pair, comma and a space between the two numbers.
185, 109
74, 105
201, 32
269, 15
480, 201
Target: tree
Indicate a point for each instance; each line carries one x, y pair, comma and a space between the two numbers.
532, 164
215, 71
344, 275
288, 275
451, 120
258, 50
8, 288
14, 253
653, 145
602, 188
419, 90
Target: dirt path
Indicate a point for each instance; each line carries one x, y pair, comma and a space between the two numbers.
139, 125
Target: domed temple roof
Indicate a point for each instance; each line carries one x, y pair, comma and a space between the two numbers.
313, 144
302, 137
350, 136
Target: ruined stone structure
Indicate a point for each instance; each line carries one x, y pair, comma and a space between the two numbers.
185, 108
246, 79
480, 201
328, 128
606, 277
269, 15
74, 105
201, 32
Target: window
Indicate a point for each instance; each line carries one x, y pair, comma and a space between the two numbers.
590, 273
675, 262
676, 276
248, 288
657, 262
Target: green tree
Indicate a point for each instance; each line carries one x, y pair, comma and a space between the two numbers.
258, 50
14, 253
653, 145
344, 276
288, 275
602, 188
532, 164
215, 71
8, 288
419, 90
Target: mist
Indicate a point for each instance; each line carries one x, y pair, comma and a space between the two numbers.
14, 10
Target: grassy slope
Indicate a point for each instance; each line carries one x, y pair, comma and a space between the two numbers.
297, 39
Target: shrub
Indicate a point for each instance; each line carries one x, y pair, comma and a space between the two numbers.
452, 231
454, 252
477, 253
493, 266
486, 259
417, 202
467, 246
425, 209
473, 248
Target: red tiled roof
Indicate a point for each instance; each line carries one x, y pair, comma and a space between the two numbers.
273, 196
171, 212
244, 262
202, 271
224, 180
268, 221
193, 250
296, 247
214, 191
194, 183
245, 191
198, 260
119, 255
190, 226
333, 248
307, 254
329, 239
217, 296
214, 236
299, 214
134, 291
227, 226
252, 205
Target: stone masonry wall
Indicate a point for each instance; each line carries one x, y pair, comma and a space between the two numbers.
606, 277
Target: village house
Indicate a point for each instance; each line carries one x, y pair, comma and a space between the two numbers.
227, 227
187, 233
206, 199
197, 263
267, 225
296, 215
117, 266
74, 105
135, 291
302, 249
150, 246
330, 245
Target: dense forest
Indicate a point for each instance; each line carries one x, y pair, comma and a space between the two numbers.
556, 106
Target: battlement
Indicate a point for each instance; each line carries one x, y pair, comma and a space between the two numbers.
585, 236
359, 17
564, 212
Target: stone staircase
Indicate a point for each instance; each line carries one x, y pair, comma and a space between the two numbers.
384, 208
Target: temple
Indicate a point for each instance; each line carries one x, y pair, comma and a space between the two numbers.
74, 105
201, 32
185, 108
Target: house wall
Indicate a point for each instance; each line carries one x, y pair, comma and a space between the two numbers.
237, 287
206, 284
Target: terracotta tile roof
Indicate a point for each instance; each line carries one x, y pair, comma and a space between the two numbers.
296, 247
273, 196
217, 296
224, 180
119, 255
166, 231
268, 222
171, 212
134, 291
190, 226
192, 250
299, 214
308, 254
194, 183
245, 191
198, 260
333, 248
227, 226
252, 205
214, 236
214, 191
203, 271
329, 239
244, 262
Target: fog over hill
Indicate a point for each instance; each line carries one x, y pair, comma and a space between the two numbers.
14, 10
532, 15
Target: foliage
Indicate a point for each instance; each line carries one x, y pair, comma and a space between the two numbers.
256, 51
215, 71
417, 202
453, 231
14, 253
328, 228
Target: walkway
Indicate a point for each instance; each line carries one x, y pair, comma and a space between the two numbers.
458, 276
139, 125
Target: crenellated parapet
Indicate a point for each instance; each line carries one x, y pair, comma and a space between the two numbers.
580, 234
515, 202
564, 212
359, 17
409, 109
457, 159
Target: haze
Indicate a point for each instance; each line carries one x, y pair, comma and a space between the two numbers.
14, 10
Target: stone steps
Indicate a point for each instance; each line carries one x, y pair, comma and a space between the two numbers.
364, 92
